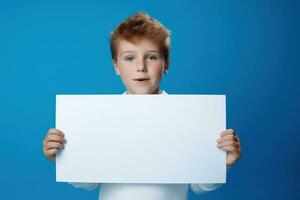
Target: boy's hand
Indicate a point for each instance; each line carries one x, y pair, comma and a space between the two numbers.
230, 143
52, 143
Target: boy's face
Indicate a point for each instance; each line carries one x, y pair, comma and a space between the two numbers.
140, 66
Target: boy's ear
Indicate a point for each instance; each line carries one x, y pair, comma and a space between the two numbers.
116, 68
166, 68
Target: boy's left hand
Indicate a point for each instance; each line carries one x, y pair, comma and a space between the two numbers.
230, 143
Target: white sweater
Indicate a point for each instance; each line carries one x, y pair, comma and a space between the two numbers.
129, 191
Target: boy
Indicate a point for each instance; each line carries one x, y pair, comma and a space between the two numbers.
140, 51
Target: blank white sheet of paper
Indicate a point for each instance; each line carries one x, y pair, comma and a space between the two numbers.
141, 138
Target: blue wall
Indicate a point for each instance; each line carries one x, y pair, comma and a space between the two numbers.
248, 50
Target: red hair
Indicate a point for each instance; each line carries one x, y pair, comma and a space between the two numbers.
141, 25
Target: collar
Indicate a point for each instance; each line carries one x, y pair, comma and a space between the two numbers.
162, 92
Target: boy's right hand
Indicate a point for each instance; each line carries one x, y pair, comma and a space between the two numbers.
53, 142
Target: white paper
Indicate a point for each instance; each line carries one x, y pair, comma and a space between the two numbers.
141, 138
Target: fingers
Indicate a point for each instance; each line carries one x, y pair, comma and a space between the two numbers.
228, 132
231, 149
56, 132
54, 138
55, 135
228, 137
53, 142
54, 145
229, 143
230, 146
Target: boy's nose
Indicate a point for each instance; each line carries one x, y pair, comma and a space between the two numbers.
141, 66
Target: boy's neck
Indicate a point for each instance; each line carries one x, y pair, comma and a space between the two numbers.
157, 91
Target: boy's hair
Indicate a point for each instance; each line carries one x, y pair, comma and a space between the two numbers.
141, 25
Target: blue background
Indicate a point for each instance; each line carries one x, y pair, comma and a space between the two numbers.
248, 50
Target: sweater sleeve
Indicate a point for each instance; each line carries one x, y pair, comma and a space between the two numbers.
201, 188
86, 186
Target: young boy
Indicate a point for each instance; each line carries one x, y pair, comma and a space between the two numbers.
140, 52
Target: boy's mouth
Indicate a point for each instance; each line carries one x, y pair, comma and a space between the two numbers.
141, 79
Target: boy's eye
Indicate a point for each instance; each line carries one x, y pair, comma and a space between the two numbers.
129, 58
151, 57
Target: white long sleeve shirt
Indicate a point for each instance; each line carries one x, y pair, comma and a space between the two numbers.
131, 191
